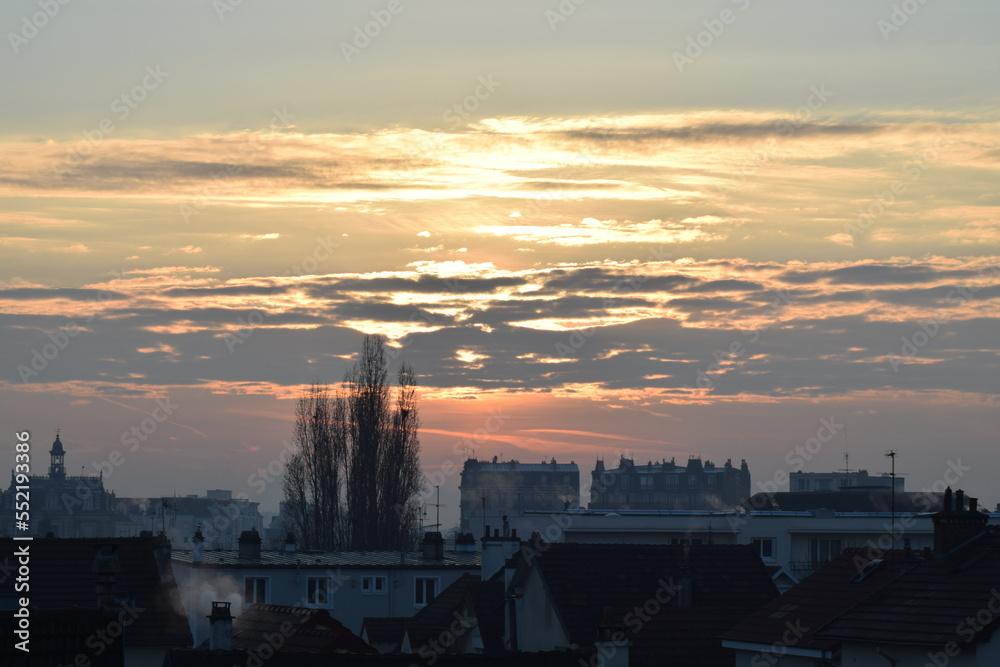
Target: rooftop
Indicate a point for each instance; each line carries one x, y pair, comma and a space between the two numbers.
326, 559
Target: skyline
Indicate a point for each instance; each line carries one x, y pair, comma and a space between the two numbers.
708, 229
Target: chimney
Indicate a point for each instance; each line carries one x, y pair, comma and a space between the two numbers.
496, 550
465, 542
197, 546
249, 543
222, 627
612, 645
955, 525
106, 567
290, 542
433, 545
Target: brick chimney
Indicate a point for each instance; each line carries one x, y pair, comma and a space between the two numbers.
249, 543
954, 524
222, 627
433, 545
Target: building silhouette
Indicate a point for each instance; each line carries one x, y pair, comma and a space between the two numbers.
65, 505
668, 486
493, 489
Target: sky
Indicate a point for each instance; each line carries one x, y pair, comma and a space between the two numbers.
729, 229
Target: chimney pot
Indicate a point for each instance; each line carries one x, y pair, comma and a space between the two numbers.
222, 627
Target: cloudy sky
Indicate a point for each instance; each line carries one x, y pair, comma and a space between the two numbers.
594, 228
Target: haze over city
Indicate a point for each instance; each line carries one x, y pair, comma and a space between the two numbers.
649, 229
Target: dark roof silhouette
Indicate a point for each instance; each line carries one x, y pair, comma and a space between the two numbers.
931, 601
679, 636
312, 630
816, 600
62, 576
583, 579
58, 636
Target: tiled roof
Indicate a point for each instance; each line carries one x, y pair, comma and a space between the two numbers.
583, 579
313, 630
931, 602
434, 619
814, 601
62, 576
459, 560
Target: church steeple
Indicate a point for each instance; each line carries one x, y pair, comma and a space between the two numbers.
57, 469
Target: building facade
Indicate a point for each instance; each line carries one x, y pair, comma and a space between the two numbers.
493, 489
222, 517
668, 486
349, 584
65, 505
844, 480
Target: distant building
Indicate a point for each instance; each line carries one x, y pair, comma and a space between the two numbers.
66, 505
510, 488
349, 584
845, 480
668, 486
222, 518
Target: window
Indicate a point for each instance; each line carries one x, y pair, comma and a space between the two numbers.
425, 590
822, 485
671, 480
624, 482
565, 479
373, 585
520, 480
545, 478
710, 480
646, 482
254, 590
318, 592
692, 480
801, 484
692, 501
765, 547
823, 549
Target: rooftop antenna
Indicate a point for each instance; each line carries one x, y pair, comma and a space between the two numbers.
847, 453
892, 507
